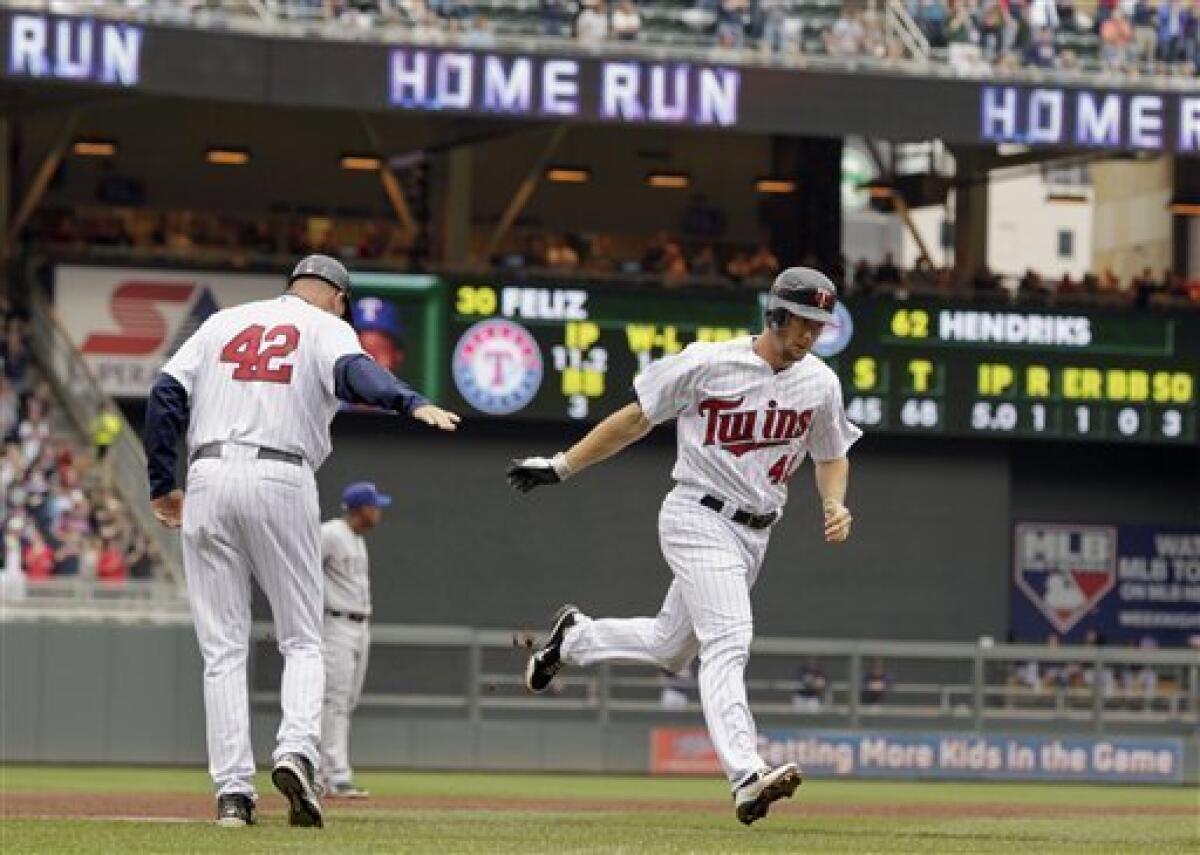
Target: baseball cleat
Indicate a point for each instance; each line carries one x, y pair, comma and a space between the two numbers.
235, 810
547, 661
753, 799
293, 776
345, 790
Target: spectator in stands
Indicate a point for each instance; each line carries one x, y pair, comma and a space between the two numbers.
738, 267
1116, 33
480, 33
962, 38
996, 29
105, 428
772, 27
875, 685
557, 17
1171, 21
1041, 53
560, 255
1139, 683
600, 255
34, 430
704, 263
592, 24
673, 265
888, 273
845, 37
1145, 35
10, 407
732, 16
110, 566
16, 350
762, 264
626, 22
1043, 15
931, 17
813, 682
38, 557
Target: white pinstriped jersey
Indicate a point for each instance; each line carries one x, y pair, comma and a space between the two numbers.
262, 374
743, 428
347, 570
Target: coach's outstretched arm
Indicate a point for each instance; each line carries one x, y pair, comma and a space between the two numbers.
623, 428
166, 421
358, 379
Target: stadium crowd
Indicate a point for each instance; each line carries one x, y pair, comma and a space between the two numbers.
974, 36
237, 241
61, 520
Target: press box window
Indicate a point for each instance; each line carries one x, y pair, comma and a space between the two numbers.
1066, 243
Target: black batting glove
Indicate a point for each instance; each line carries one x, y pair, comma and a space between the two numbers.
528, 472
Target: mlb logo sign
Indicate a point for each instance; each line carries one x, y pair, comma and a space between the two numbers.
1065, 570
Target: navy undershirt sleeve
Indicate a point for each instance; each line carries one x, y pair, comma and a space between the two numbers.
358, 379
166, 422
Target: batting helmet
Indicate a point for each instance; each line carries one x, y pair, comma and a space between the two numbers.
804, 292
324, 268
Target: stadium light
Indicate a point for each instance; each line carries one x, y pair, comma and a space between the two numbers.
1185, 209
775, 185
668, 180
568, 175
361, 162
227, 156
94, 148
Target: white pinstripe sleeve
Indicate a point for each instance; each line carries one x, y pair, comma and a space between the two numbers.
667, 387
336, 339
832, 433
186, 363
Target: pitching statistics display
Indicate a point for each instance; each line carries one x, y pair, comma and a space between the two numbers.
540, 350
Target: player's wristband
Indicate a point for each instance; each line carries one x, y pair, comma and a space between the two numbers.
561, 467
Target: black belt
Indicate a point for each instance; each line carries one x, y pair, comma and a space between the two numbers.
755, 521
357, 617
214, 449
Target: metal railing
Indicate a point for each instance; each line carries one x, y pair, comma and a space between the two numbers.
131, 601
82, 399
486, 670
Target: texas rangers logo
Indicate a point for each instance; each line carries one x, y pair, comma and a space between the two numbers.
742, 431
1065, 570
835, 337
497, 367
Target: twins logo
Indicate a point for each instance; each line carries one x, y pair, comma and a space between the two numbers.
738, 431
1065, 570
497, 367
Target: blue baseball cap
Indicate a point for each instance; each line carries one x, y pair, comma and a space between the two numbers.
362, 494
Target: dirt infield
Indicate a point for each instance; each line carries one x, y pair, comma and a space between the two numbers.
174, 806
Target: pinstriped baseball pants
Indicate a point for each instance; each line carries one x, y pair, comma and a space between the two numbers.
241, 517
715, 562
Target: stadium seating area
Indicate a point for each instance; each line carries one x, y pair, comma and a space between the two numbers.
226, 240
61, 518
975, 37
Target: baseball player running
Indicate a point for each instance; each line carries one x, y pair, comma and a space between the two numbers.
347, 634
256, 388
748, 412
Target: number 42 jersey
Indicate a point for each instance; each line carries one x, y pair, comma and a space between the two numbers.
262, 373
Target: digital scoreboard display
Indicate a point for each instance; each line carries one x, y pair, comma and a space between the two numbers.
539, 350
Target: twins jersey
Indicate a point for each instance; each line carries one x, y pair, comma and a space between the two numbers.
262, 374
744, 428
344, 560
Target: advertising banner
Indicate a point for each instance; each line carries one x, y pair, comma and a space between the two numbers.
850, 754
128, 321
1128, 583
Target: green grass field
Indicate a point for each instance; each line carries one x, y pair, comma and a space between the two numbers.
467, 813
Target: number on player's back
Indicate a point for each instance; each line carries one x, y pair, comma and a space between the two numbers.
256, 363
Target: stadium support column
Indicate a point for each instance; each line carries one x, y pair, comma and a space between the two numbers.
970, 213
454, 191
5, 191
806, 224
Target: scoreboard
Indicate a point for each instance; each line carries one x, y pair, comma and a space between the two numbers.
537, 349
